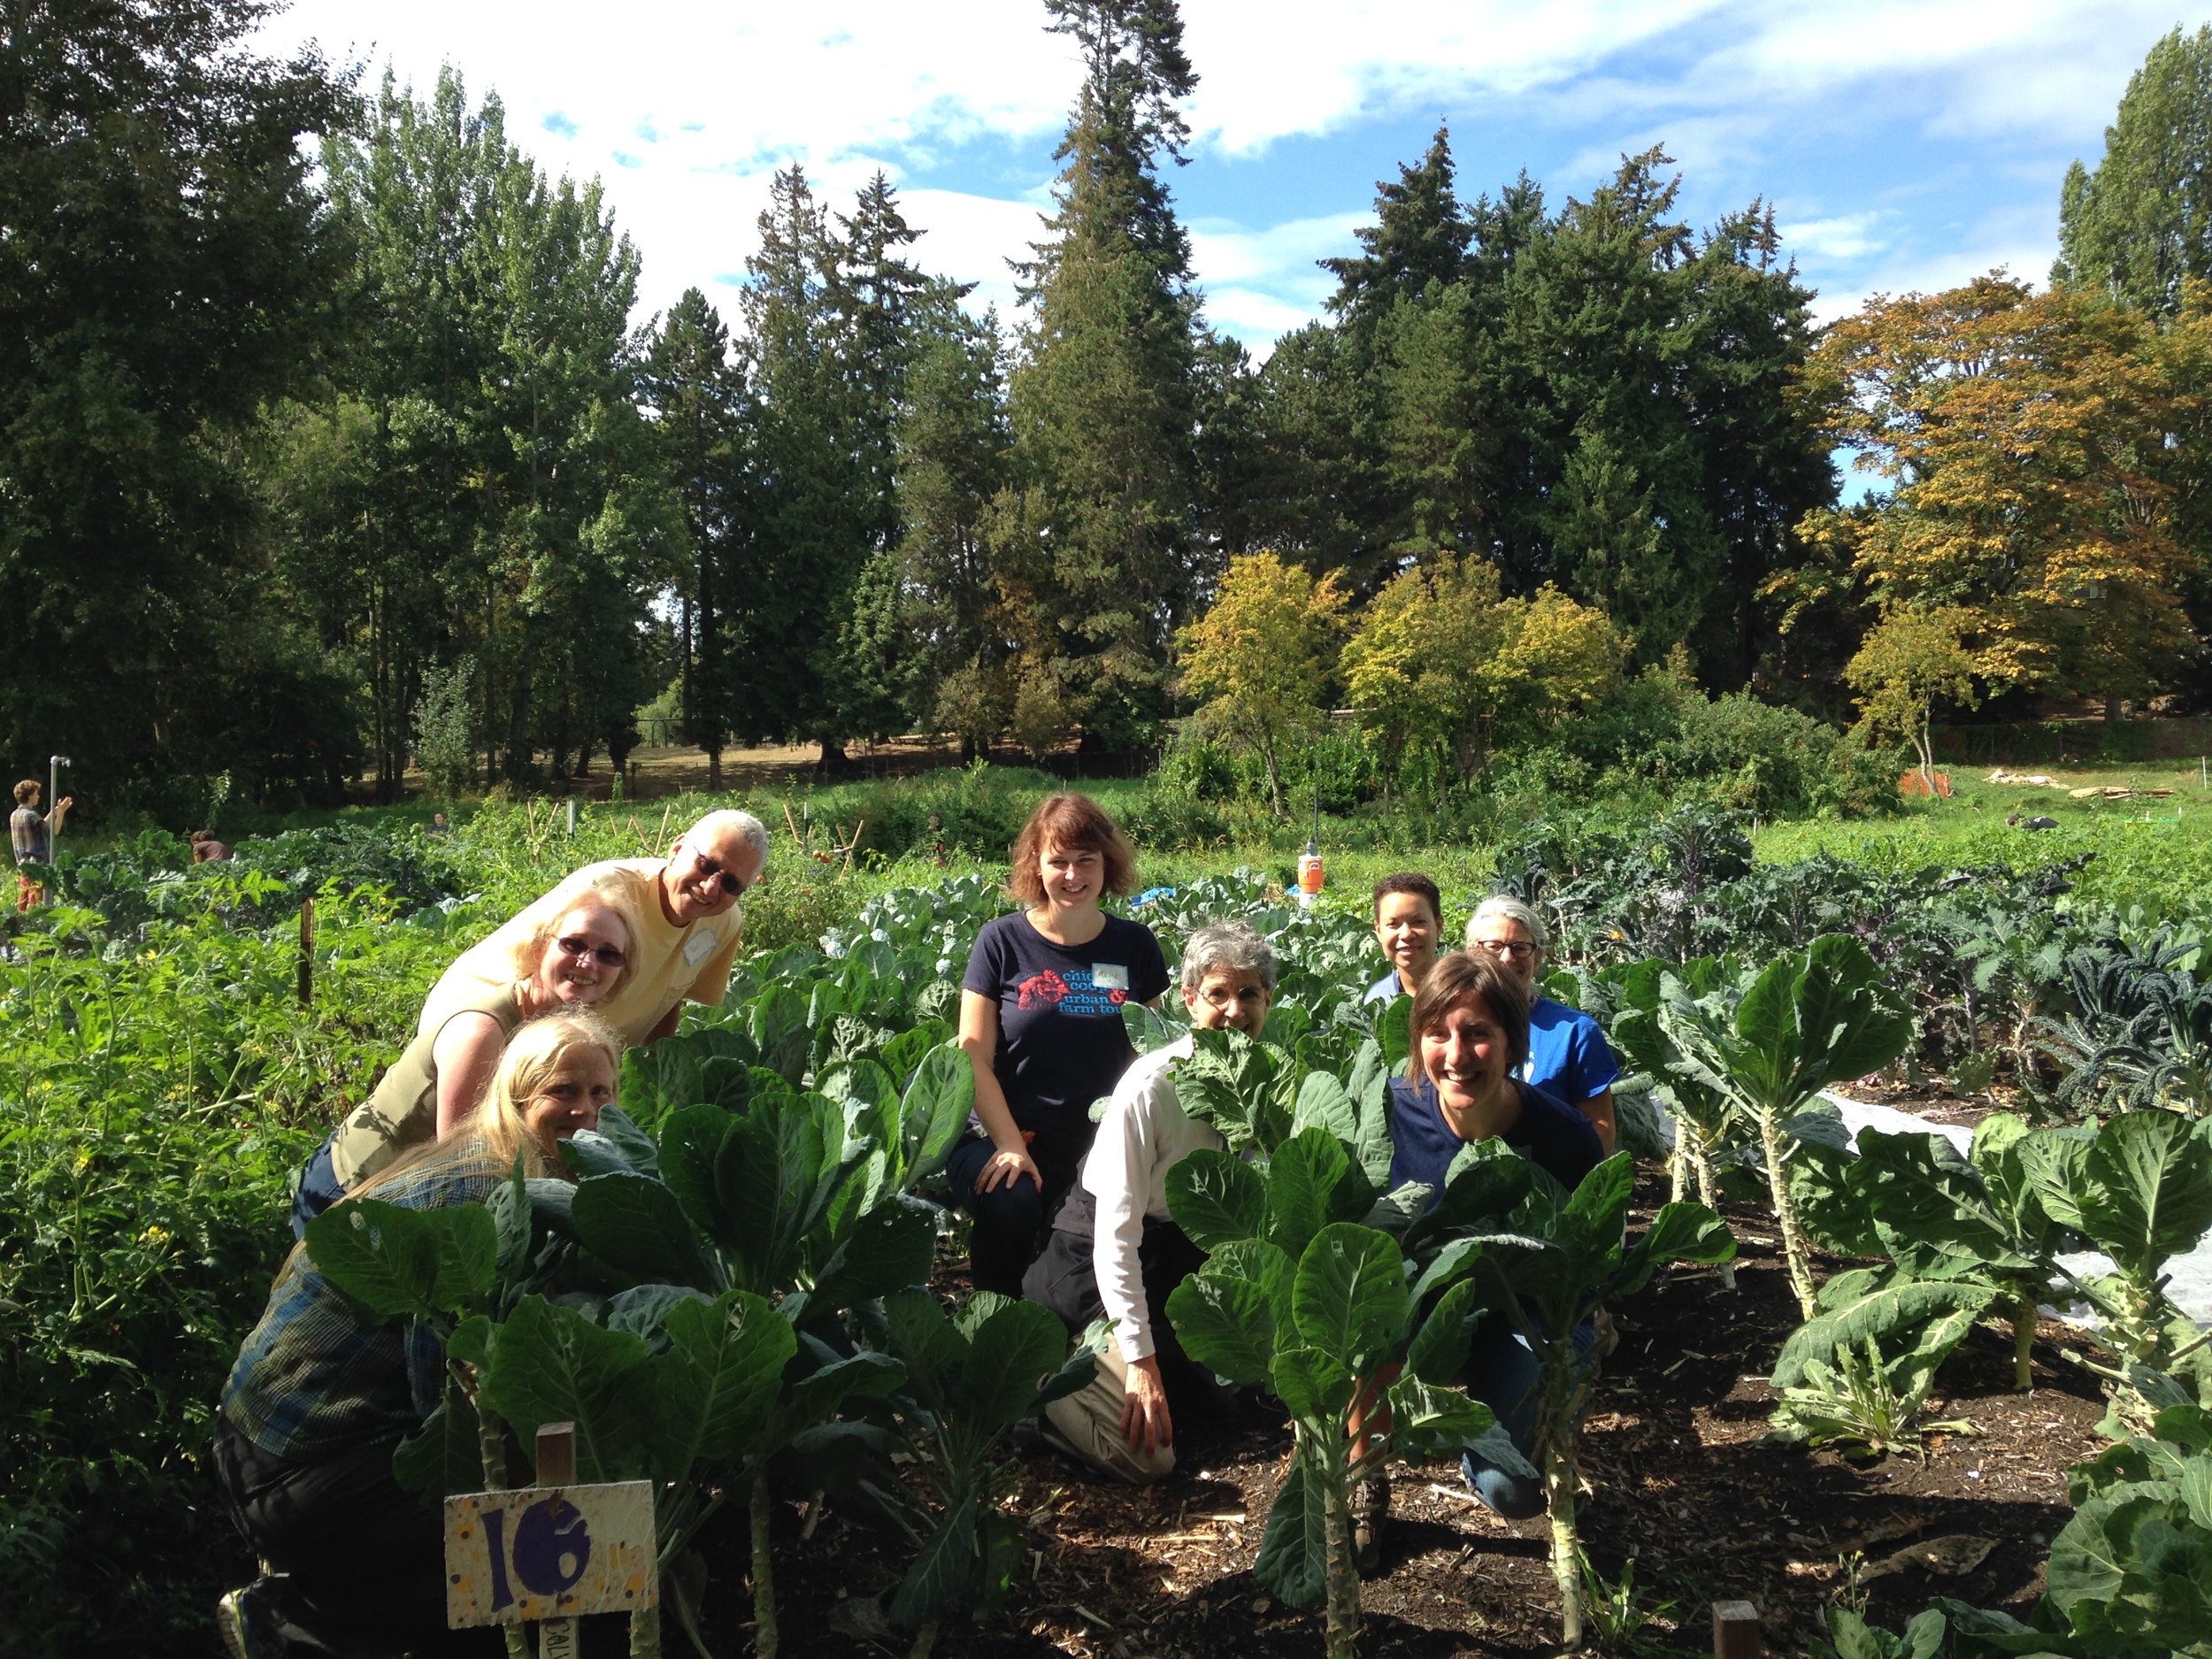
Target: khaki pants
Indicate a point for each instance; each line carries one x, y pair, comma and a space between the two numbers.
1088, 1425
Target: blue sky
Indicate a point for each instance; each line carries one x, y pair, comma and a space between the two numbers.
1904, 143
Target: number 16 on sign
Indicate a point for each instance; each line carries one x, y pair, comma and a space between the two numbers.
550, 1553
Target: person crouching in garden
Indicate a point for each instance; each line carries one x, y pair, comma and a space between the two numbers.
1568, 1055
683, 936
580, 958
1470, 1034
319, 1398
1114, 1251
1409, 923
1040, 1021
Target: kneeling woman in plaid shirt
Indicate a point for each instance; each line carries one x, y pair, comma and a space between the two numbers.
318, 1399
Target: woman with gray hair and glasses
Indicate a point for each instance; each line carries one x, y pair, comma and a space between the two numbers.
1116, 1253
1568, 1055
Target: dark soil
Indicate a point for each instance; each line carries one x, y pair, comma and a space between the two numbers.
1679, 1481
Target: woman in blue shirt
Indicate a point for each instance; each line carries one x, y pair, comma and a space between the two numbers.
1568, 1055
1470, 1031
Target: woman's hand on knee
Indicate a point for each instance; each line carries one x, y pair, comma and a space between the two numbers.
1144, 1422
1004, 1168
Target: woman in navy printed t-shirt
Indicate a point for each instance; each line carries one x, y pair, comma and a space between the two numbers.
1040, 1020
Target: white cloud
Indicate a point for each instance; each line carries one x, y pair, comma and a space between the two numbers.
684, 107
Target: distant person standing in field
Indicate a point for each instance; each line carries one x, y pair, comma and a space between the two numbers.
31, 833
1040, 1020
681, 907
1116, 1253
1409, 925
1568, 1055
206, 850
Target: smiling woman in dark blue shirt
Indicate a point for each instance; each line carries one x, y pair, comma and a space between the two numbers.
1040, 1020
1470, 1034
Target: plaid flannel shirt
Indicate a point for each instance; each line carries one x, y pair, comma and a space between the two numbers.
26, 836
314, 1376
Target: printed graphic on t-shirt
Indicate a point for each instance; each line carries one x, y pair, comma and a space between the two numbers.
1078, 991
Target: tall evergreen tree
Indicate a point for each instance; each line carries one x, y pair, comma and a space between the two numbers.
2140, 226
164, 269
698, 396
1419, 237
1101, 546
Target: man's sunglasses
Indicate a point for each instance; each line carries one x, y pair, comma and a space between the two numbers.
704, 870
582, 950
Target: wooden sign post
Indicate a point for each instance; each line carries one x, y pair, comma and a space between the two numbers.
1736, 1633
552, 1552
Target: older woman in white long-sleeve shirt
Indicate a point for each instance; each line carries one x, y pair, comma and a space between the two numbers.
1116, 1252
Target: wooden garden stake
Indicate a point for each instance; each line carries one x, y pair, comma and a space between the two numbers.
557, 1638
307, 952
1736, 1633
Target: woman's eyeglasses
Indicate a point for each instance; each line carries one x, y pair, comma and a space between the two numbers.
582, 950
1519, 949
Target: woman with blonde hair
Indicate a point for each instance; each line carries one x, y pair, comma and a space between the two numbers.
578, 957
320, 1397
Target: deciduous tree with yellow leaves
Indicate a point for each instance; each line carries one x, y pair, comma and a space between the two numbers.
1263, 653
1441, 657
2025, 437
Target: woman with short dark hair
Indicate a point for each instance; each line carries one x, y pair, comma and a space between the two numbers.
1408, 922
1040, 1021
1470, 1032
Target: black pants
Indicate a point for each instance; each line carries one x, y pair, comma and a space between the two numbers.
1065, 1278
1009, 1219
364, 1561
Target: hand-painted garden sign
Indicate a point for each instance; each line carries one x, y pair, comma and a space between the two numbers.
550, 1553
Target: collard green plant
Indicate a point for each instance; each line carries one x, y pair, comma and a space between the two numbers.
970, 1377
1769, 1045
1706, 1130
1298, 1297
1544, 1260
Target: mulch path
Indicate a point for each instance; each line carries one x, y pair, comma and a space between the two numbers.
1680, 1481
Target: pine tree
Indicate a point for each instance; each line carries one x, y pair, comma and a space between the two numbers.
1419, 237
1100, 542
2140, 226
698, 396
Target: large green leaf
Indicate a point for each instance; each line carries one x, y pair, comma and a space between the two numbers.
888, 1249
719, 1379
636, 1225
380, 1256
1678, 1232
1479, 1192
551, 1364
1324, 1103
443, 1456
691, 1143
1293, 1558
1871, 1303
468, 1254
1393, 1033
1306, 1179
1427, 1420
2146, 1188
1348, 1299
1439, 1348
922, 1339
1217, 1198
1314, 1386
1009, 1355
938, 1577
1227, 1316
1849, 1019
2053, 1160
935, 1110
1596, 1217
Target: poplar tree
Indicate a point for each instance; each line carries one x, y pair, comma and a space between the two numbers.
2140, 226
1101, 544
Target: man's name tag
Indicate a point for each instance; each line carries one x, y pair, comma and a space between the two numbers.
549, 1552
1110, 975
700, 946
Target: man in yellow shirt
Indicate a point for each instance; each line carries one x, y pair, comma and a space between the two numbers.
688, 926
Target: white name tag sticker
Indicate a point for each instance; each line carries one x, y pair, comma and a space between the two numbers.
700, 946
1110, 975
